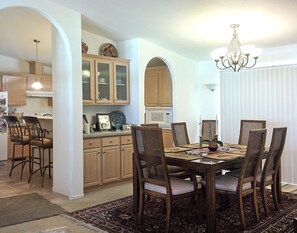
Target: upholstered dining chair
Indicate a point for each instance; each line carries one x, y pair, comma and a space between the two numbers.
246, 126
39, 141
19, 138
209, 128
180, 133
244, 183
268, 175
149, 152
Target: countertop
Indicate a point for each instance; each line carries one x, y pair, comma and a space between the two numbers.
107, 134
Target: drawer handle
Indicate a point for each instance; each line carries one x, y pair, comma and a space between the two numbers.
90, 143
110, 141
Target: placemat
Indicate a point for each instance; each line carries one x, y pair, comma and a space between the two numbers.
194, 145
235, 146
175, 149
224, 156
182, 156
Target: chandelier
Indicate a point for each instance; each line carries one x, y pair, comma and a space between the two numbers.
236, 56
37, 84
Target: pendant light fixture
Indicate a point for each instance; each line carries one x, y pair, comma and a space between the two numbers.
236, 56
37, 84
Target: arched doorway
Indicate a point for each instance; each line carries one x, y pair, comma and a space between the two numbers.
67, 110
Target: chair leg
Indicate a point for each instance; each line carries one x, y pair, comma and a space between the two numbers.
23, 162
274, 195
264, 200
255, 206
140, 209
49, 163
168, 215
13, 159
241, 213
43, 168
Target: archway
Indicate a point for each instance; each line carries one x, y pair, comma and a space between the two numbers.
66, 70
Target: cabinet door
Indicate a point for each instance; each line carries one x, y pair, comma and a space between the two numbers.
167, 138
88, 83
110, 164
151, 88
164, 88
126, 161
104, 81
92, 167
45, 80
16, 88
121, 83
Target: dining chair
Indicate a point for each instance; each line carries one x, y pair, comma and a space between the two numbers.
19, 138
149, 153
173, 170
246, 180
209, 128
268, 175
180, 133
38, 141
246, 126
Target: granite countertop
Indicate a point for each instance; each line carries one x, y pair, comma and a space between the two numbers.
107, 134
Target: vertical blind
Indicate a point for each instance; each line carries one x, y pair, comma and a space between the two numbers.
262, 94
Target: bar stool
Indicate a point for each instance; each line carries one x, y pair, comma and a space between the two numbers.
18, 138
39, 141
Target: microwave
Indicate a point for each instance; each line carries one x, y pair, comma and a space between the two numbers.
161, 116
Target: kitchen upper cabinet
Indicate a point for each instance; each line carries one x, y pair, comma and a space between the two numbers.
158, 87
16, 88
45, 80
105, 80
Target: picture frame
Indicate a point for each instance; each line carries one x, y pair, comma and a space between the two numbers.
103, 121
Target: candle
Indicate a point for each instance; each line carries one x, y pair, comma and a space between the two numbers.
216, 124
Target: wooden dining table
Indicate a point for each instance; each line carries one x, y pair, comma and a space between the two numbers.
200, 159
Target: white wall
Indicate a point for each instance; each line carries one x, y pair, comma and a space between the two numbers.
8, 64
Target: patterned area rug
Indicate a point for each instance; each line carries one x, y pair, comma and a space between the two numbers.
25, 208
116, 216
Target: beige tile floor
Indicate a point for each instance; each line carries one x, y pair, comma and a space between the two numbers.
12, 186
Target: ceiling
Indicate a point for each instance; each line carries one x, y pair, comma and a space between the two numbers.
191, 28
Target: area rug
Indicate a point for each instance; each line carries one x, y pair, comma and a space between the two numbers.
117, 216
25, 208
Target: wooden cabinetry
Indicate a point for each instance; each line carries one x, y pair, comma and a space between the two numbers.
107, 159
158, 87
105, 80
18, 149
45, 80
16, 88
167, 138
92, 162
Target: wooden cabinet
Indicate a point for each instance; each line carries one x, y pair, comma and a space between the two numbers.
105, 80
126, 157
16, 88
45, 80
18, 149
158, 87
167, 138
107, 159
92, 162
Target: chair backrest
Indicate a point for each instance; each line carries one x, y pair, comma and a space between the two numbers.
15, 129
275, 151
36, 133
253, 156
149, 156
150, 125
180, 133
246, 126
209, 128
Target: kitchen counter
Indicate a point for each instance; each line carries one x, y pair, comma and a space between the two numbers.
107, 134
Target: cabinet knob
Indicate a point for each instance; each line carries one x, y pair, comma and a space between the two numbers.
110, 141
90, 143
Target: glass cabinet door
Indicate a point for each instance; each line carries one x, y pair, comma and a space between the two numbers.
103, 81
87, 81
121, 87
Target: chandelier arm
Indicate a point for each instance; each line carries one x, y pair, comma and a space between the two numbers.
232, 66
220, 68
255, 62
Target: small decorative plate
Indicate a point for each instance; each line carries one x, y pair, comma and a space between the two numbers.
109, 50
117, 118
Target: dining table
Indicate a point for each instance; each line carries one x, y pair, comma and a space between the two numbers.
197, 157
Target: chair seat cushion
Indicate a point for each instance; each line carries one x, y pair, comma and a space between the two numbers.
178, 186
229, 183
47, 143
